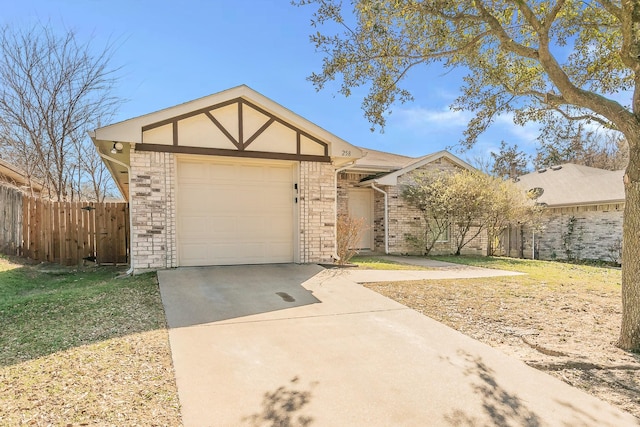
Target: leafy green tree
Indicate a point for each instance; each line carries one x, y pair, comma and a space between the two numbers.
549, 61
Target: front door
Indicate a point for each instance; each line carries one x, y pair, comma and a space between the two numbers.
361, 206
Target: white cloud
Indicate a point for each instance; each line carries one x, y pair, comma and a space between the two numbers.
516, 134
425, 119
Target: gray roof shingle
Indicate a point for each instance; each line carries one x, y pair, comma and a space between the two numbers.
571, 184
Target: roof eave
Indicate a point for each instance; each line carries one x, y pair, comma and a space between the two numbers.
581, 204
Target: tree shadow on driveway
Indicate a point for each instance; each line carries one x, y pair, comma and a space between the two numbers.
502, 408
282, 407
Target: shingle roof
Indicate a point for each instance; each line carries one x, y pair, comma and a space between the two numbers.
14, 174
380, 160
391, 178
570, 184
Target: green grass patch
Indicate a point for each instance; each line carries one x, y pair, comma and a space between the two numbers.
550, 273
43, 311
377, 263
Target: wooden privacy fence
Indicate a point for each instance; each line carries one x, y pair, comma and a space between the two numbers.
70, 232
11, 220
63, 232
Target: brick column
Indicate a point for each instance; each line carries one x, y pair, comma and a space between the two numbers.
152, 211
317, 216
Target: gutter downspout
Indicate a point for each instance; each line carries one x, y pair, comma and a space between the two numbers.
386, 218
335, 209
111, 159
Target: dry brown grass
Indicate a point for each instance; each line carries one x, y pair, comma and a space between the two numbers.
560, 318
83, 348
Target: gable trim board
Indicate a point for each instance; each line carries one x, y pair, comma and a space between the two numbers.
239, 141
230, 153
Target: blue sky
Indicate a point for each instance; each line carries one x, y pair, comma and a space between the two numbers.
175, 51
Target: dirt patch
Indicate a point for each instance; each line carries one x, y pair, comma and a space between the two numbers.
566, 328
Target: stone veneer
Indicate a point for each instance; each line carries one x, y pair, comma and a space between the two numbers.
403, 219
597, 233
152, 189
317, 198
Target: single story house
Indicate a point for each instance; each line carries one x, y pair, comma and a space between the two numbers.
582, 213
235, 178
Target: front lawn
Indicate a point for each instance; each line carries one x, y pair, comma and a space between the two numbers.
82, 347
561, 318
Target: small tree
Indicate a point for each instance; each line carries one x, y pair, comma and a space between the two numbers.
507, 205
468, 196
53, 89
348, 233
426, 192
601, 149
465, 202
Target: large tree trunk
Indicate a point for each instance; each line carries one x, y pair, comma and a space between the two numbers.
630, 330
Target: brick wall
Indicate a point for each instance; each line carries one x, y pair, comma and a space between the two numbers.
317, 212
403, 219
597, 233
406, 220
152, 210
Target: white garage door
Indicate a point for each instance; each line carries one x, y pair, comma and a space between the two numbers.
234, 212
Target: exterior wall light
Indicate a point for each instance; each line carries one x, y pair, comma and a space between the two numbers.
117, 147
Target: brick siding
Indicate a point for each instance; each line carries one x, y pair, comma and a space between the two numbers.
153, 239
317, 197
597, 233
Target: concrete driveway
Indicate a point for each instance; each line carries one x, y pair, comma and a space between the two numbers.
296, 345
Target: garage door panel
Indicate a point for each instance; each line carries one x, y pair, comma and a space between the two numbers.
280, 250
235, 212
276, 200
279, 175
222, 173
194, 254
192, 226
193, 171
251, 174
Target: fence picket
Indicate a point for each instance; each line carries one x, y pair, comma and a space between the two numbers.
63, 232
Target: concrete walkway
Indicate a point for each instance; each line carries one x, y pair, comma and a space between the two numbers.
300, 346
438, 270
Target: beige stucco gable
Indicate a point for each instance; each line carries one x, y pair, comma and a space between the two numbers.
256, 112
238, 122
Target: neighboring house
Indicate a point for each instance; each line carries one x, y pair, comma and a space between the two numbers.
16, 177
372, 187
235, 178
582, 213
